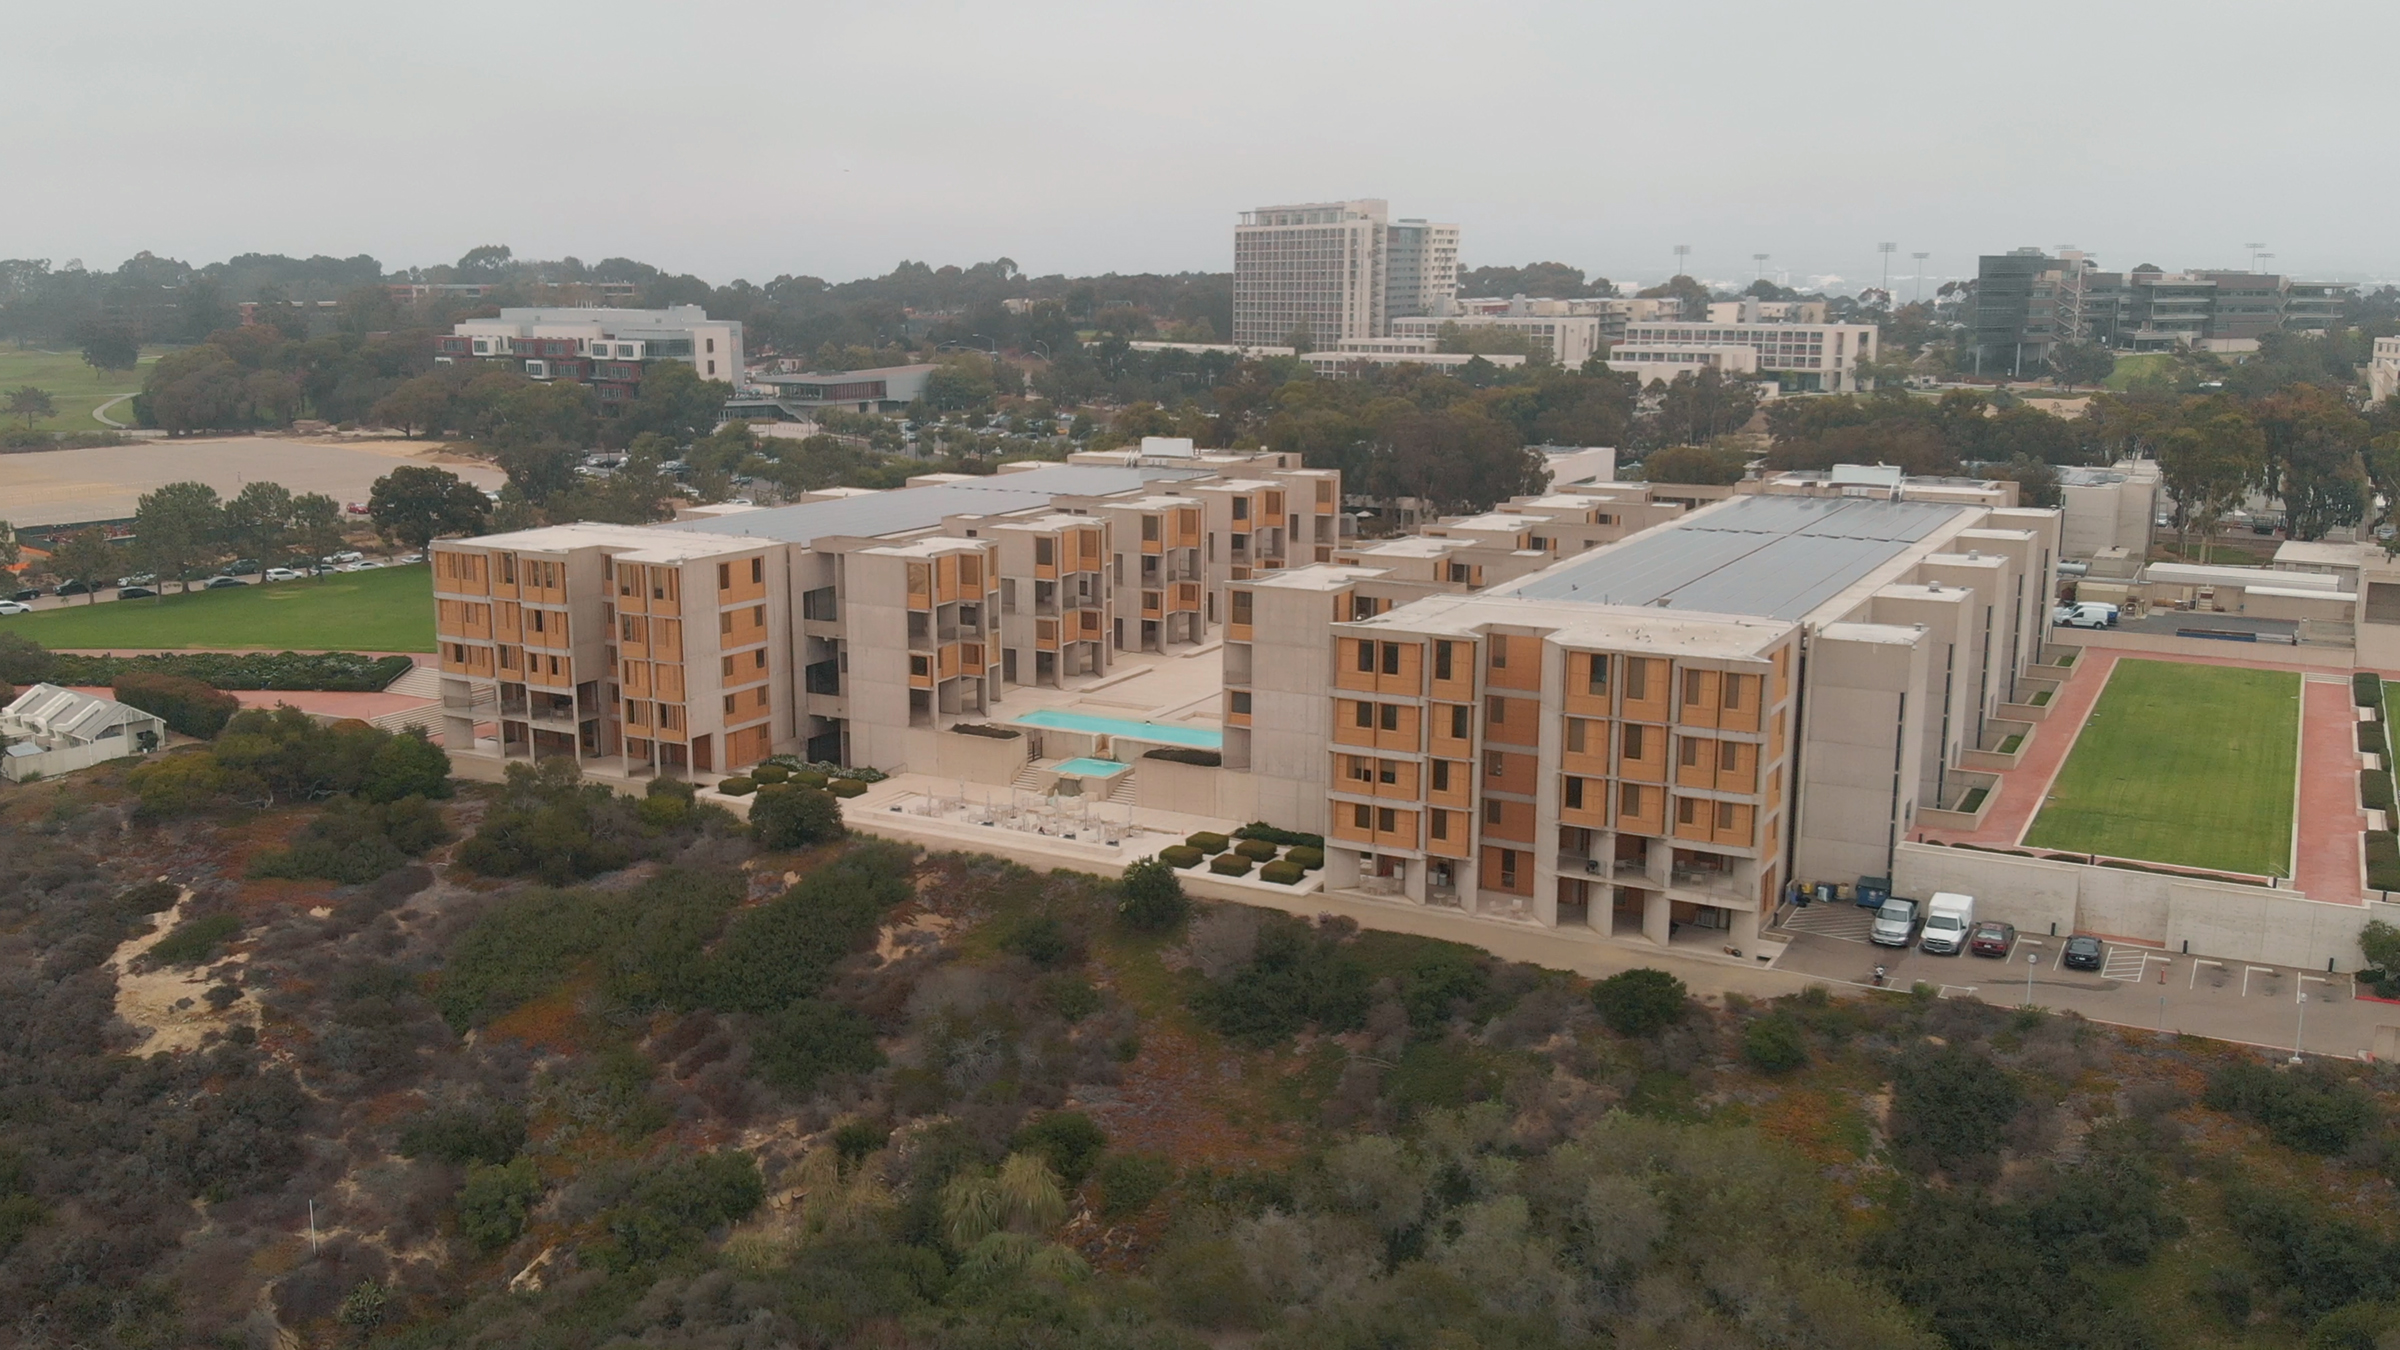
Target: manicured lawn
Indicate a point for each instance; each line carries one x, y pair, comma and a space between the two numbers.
2191, 765
386, 610
2132, 367
75, 387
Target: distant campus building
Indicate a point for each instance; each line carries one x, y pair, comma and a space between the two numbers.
608, 349
2028, 304
1338, 271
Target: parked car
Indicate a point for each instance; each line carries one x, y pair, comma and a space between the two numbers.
136, 593
337, 559
139, 579
283, 574
366, 564
28, 593
220, 583
2083, 953
2085, 614
243, 567
14, 607
406, 559
1896, 924
1949, 917
1993, 938
73, 588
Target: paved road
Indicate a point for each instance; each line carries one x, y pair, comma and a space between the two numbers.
2137, 986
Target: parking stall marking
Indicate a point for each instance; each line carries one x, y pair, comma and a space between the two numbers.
2271, 990
2198, 961
1846, 922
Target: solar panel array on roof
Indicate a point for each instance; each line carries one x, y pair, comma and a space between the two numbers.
1775, 557
918, 508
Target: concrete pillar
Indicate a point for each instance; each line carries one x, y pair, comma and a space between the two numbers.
1656, 916
1745, 929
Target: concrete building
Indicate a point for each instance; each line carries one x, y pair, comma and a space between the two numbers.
2111, 508
607, 349
1335, 271
1420, 268
1651, 738
1565, 339
1800, 357
1751, 309
1370, 353
855, 625
1669, 361
2028, 303
796, 396
49, 730
2383, 369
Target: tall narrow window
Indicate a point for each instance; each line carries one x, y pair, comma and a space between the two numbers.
1366, 658
1499, 651
1441, 660
1391, 658
1596, 679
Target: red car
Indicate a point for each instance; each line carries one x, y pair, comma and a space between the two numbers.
1993, 938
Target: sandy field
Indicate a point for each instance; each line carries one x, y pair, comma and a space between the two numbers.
66, 487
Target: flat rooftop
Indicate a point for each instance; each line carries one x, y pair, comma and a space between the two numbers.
903, 509
1774, 557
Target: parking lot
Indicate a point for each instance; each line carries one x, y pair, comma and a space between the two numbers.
2136, 985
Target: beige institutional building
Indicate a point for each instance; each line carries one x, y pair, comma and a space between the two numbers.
1600, 708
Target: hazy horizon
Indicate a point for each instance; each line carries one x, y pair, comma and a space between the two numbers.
1086, 139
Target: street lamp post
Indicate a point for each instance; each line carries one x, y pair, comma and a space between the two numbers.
1887, 250
1761, 260
2032, 961
1682, 251
2302, 1031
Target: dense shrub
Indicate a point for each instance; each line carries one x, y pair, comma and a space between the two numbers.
1259, 829
1130, 1181
785, 949
737, 786
193, 941
24, 661
1640, 1002
1295, 976
1067, 1140
1208, 842
1150, 896
846, 788
1949, 1105
650, 940
188, 707
2366, 689
1775, 1044
1230, 865
1256, 850
342, 672
675, 1205
986, 729
493, 1205
149, 897
1181, 855
355, 842
812, 1040
772, 773
1283, 873
551, 824
2383, 860
2311, 1108
2370, 738
1184, 754
263, 758
1305, 858
808, 778
2375, 790
464, 1134
790, 816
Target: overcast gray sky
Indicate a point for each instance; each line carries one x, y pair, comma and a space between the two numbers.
838, 138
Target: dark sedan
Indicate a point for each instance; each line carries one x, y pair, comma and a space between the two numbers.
2083, 953
1993, 938
136, 593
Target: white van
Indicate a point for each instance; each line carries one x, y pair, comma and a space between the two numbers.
2087, 614
1949, 918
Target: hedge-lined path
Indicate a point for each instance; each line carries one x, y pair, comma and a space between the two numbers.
316, 702
2327, 862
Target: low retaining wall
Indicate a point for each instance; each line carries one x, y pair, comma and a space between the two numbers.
992, 760
2207, 918
2248, 653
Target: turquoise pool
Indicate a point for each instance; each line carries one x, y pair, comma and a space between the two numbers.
1158, 733
1087, 767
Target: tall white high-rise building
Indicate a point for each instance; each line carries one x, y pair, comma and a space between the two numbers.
1336, 271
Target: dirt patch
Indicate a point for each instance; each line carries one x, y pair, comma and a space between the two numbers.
171, 1004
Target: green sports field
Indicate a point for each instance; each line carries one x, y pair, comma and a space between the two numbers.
75, 387
2183, 764
386, 610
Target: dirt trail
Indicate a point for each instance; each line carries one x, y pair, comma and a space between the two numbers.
170, 1003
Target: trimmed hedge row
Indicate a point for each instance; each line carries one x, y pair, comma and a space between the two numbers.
336, 672
1229, 865
1306, 859
1208, 842
770, 773
2370, 738
846, 787
738, 786
1184, 754
2375, 790
1181, 855
2383, 860
2366, 689
1259, 829
1257, 850
1281, 873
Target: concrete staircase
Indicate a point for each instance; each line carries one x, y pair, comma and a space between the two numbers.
1029, 778
1121, 790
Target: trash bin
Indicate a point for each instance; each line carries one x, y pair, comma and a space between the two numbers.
1873, 891
1828, 892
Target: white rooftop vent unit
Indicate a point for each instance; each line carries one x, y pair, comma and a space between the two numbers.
1168, 447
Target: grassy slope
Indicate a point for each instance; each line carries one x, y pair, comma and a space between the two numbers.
2182, 764
2132, 367
75, 387
387, 610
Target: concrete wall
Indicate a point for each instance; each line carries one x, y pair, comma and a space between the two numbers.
2249, 653
51, 763
1193, 789
1857, 778
978, 759
2206, 918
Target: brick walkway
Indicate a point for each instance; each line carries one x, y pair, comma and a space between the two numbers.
2330, 822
